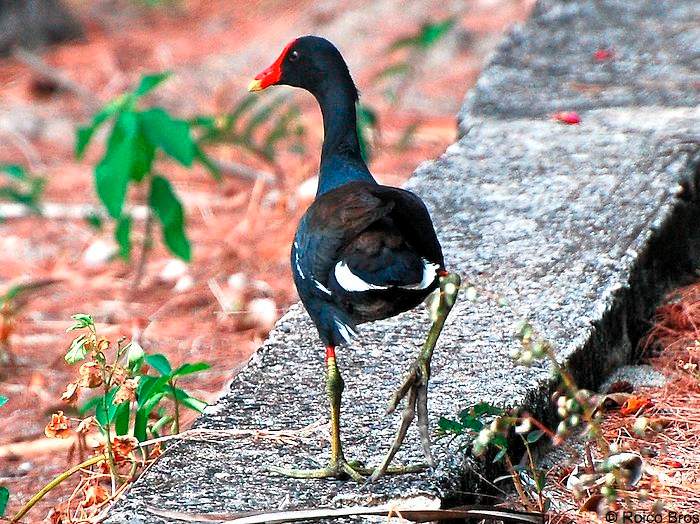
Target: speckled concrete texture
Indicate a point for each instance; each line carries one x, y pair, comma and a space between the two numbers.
550, 63
579, 228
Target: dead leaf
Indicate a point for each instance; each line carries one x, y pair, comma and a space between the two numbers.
94, 495
70, 395
614, 400
86, 425
635, 405
59, 427
123, 446
90, 375
593, 503
126, 392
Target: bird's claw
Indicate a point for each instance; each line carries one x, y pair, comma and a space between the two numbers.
341, 469
415, 389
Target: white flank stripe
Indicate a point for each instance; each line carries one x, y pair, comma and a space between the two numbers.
345, 331
296, 261
429, 274
349, 281
322, 287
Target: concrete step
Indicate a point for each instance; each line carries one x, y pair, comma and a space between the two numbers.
579, 228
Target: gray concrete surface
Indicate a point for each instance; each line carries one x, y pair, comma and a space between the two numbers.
548, 64
638, 375
580, 228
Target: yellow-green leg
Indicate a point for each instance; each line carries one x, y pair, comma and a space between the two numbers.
337, 467
415, 386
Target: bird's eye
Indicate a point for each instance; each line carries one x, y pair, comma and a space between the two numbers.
293, 56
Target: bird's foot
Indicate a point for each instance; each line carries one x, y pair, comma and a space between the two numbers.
344, 470
415, 389
340, 469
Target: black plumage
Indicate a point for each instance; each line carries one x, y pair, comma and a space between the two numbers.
362, 251
383, 236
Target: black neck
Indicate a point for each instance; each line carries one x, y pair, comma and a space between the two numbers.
337, 101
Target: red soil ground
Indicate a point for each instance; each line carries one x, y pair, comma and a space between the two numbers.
213, 47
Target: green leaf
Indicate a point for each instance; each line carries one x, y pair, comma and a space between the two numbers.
112, 408
122, 234
84, 134
366, 120
151, 402
148, 398
77, 350
500, 441
534, 436
150, 387
160, 423
450, 426
90, 404
431, 33
207, 162
102, 416
400, 68
409, 41
113, 172
169, 211
160, 363
470, 422
150, 82
81, 321
248, 102
14, 170
3, 400
4, 497
540, 481
259, 117
188, 369
121, 418
94, 221
280, 130
170, 134
499, 456
186, 400
142, 155
484, 408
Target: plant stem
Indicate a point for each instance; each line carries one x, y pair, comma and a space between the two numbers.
146, 245
55, 482
176, 424
534, 472
517, 483
107, 381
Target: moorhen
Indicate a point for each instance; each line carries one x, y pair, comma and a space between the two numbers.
362, 251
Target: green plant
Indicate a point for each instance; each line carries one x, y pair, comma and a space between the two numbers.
367, 122
131, 406
415, 45
4, 492
4, 498
257, 126
400, 71
21, 187
137, 138
130, 395
580, 413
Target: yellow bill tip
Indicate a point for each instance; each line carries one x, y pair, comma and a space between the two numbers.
255, 85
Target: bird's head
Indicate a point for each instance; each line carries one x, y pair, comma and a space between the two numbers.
308, 62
